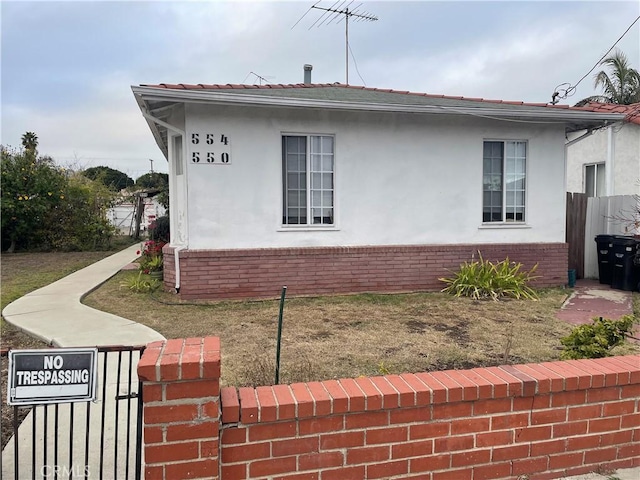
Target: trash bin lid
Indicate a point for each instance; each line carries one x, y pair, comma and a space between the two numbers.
603, 238
623, 240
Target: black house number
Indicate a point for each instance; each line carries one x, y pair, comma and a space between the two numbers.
215, 148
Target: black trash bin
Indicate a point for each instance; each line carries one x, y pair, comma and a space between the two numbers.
625, 273
605, 258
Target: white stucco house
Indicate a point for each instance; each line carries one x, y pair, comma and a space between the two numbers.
607, 161
330, 188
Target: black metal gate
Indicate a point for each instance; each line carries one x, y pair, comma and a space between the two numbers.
101, 440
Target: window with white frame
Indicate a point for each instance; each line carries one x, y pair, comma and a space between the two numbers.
594, 180
307, 177
177, 154
504, 181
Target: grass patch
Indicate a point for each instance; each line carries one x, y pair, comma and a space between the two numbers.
349, 336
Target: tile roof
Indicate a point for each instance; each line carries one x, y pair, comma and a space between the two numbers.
368, 93
632, 111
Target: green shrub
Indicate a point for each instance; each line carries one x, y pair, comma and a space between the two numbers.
596, 340
159, 229
483, 279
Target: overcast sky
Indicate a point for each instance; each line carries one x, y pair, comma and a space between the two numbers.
67, 67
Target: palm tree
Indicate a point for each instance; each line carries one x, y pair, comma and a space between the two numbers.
30, 142
622, 87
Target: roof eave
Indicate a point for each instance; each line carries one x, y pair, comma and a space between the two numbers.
154, 127
573, 119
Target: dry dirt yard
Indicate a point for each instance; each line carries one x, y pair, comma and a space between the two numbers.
349, 336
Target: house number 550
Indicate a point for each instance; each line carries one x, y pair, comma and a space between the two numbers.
211, 157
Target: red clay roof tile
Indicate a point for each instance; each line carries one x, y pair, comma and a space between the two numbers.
632, 111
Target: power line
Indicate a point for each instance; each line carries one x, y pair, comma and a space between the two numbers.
612, 47
571, 89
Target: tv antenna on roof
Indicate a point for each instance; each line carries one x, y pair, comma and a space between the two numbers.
342, 10
258, 78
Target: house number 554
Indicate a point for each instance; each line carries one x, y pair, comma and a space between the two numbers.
209, 139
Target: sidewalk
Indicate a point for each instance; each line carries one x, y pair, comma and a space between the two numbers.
54, 314
591, 299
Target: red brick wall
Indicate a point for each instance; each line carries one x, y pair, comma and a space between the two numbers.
542, 420
181, 395
322, 270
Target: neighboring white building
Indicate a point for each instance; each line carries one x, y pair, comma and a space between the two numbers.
607, 162
335, 188
123, 215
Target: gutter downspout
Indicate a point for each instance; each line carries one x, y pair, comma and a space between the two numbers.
176, 259
166, 125
178, 249
609, 165
581, 137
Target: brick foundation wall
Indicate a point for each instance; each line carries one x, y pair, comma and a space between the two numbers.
543, 420
260, 273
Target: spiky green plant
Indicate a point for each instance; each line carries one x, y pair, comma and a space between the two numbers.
484, 279
140, 285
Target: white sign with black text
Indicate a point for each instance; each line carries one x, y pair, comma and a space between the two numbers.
52, 376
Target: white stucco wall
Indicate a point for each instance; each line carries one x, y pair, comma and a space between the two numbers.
625, 172
399, 179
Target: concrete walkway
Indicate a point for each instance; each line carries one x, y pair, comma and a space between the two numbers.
622, 474
54, 314
591, 299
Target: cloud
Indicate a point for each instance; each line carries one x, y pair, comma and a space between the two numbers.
520, 61
110, 131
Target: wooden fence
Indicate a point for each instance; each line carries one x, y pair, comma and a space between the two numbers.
575, 231
588, 217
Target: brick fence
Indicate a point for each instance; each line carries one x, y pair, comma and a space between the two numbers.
259, 273
541, 421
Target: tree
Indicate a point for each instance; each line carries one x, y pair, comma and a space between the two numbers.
153, 180
30, 187
621, 86
30, 142
110, 177
81, 219
44, 206
159, 182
